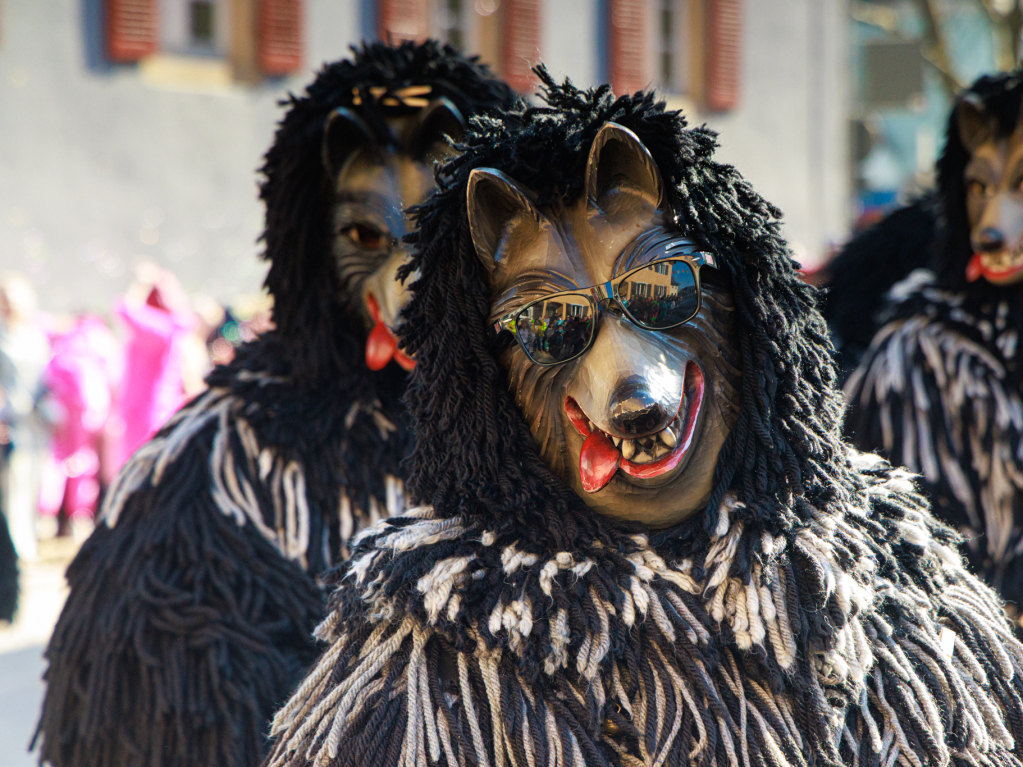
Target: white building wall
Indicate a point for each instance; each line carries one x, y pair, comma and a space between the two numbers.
788, 134
570, 40
101, 168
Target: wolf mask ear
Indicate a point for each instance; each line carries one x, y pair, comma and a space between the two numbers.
619, 163
975, 126
497, 207
441, 118
343, 132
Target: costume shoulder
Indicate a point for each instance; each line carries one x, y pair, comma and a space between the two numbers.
860, 276
341, 433
861, 638
938, 393
185, 625
191, 607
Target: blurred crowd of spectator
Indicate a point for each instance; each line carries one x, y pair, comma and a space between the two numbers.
80, 393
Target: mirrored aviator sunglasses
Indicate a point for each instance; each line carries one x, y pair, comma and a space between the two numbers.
659, 295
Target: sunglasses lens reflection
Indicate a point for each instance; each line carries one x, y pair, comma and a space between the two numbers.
662, 295
556, 329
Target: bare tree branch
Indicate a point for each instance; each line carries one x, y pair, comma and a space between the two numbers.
935, 48
1006, 29
1014, 22
989, 7
879, 16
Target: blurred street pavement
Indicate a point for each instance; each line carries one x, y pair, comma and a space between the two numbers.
21, 693
43, 591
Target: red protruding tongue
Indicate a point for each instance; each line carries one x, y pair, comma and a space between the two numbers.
382, 346
974, 268
598, 461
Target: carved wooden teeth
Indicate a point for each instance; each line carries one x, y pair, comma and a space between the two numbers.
650, 448
645, 449
643, 457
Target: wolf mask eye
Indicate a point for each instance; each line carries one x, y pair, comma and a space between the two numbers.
365, 236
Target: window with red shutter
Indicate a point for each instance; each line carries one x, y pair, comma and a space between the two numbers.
724, 53
280, 36
133, 29
401, 20
520, 47
627, 43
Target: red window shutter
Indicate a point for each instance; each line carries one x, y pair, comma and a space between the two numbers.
280, 36
401, 20
724, 53
521, 42
627, 39
133, 29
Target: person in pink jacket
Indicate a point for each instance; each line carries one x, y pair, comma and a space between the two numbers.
152, 389
80, 378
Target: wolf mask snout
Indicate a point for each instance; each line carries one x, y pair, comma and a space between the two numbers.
632, 416
636, 408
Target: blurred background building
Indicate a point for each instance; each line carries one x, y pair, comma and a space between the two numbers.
910, 58
131, 132
132, 129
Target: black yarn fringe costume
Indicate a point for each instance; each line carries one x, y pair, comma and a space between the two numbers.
814, 614
8, 572
191, 607
941, 390
859, 277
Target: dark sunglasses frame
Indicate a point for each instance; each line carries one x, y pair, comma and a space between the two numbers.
605, 295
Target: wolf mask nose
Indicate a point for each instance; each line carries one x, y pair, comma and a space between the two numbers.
990, 240
635, 411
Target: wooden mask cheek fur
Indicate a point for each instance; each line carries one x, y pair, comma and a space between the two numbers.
635, 422
374, 182
993, 180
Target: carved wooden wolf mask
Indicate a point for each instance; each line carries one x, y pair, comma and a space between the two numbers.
994, 193
378, 174
633, 418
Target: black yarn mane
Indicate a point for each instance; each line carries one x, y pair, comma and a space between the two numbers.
191, 606
930, 391
799, 621
859, 277
298, 193
1000, 95
474, 453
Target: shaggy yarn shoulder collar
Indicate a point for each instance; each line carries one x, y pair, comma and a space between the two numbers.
858, 636
305, 490
941, 391
989, 316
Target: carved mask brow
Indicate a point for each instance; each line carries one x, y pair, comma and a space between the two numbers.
530, 286
1013, 164
382, 210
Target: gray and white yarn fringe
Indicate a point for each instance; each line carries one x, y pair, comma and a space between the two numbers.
192, 605
238, 464
859, 639
940, 393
